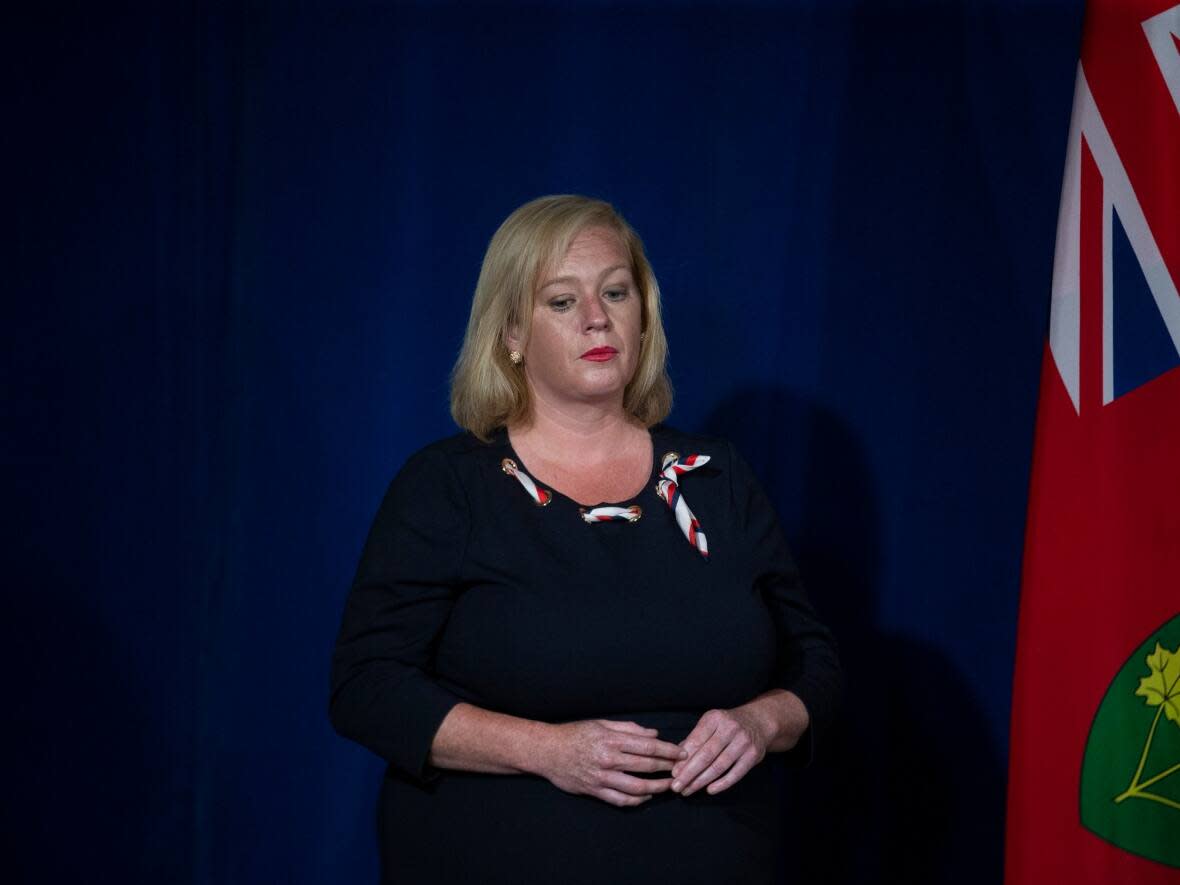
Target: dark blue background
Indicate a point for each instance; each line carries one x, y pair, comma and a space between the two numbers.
244, 242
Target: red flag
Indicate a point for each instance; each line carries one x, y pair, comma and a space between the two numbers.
1094, 778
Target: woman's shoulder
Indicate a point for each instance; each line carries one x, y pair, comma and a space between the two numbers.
683, 442
436, 476
460, 444
725, 458
456, 453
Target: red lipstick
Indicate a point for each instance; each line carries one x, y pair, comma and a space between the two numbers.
599, 354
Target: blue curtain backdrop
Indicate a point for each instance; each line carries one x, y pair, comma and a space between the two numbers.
244, 241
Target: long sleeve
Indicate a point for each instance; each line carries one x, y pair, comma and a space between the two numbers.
382, 693
806, 662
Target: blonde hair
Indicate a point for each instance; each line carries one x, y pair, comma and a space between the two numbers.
487, 390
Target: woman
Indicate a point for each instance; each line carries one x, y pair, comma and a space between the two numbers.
575, 633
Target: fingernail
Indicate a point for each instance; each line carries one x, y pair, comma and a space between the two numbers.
683, 754
676, 785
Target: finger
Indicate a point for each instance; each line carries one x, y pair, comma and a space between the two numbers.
634, 786
731, 777
695, 764
719, 766
614, 797
629, 762
705, 728
628, 727
652, 747
708, 733
701, 732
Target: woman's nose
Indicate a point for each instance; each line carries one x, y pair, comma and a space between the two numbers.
595, 315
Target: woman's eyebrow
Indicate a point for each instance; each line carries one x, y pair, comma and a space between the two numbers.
572, 279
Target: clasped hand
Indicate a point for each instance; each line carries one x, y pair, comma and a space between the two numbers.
593, 756
724, 745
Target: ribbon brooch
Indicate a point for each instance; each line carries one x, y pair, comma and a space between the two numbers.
672, 467
668, 488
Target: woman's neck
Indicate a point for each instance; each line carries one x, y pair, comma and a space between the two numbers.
589, 434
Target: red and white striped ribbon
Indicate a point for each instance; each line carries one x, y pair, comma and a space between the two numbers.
672, 467
540, 496
611, 513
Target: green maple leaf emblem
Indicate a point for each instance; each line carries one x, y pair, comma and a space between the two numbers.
1130, 786
1162, 687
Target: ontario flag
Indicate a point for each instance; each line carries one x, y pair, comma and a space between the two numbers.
1094, 778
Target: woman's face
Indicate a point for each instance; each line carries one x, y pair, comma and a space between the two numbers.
583, 345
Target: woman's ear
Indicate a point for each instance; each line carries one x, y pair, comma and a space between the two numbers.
512, 337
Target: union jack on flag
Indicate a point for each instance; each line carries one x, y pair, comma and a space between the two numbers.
1118, 218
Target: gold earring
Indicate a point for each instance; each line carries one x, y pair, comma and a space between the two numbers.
642, 336
515, 357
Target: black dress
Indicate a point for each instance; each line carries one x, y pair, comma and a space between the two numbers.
467, 590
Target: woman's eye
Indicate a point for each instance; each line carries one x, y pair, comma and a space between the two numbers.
616, 294
561, 303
